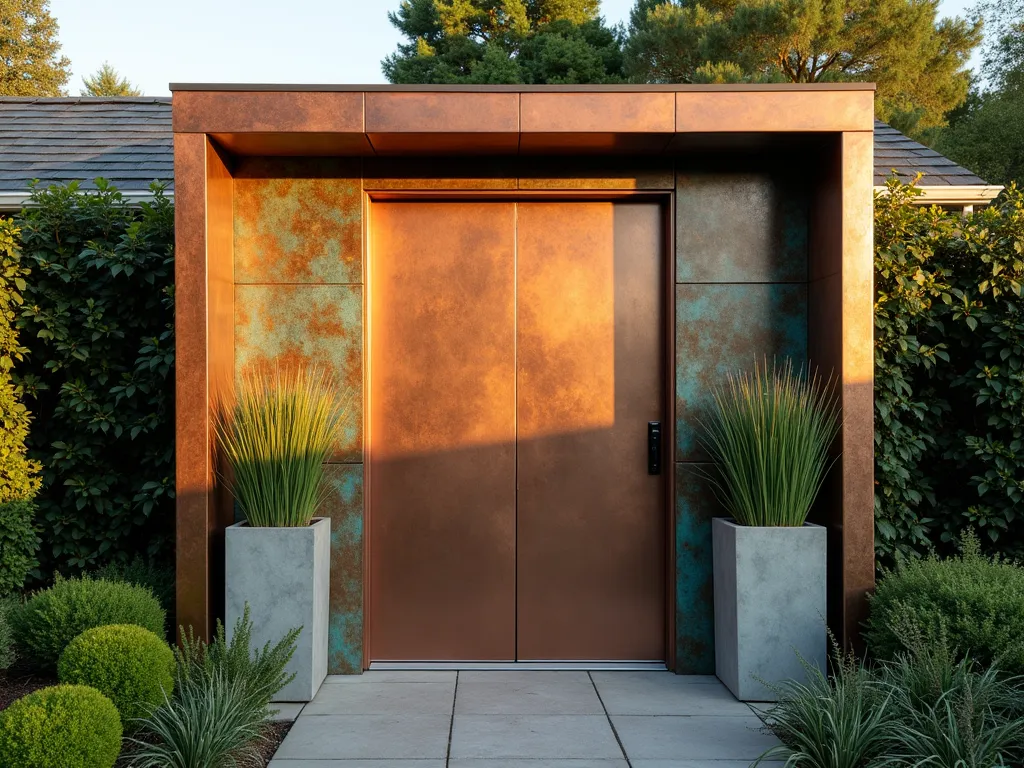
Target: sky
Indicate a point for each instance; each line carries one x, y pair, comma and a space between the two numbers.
245, 41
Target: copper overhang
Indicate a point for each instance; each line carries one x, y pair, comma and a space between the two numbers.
468, 120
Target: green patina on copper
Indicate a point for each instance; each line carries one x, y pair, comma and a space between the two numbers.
345, 508
740, 228
302, 325
293, 224
721, 329
695, 602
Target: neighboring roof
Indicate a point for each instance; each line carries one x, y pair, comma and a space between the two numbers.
127, 141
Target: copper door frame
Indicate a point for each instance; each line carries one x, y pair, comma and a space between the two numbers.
668, 202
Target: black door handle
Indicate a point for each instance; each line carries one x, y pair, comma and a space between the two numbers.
653, 447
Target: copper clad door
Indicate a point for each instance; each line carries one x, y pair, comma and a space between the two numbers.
516, 356
591, 522
442, 412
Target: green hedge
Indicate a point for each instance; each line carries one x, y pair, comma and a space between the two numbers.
18, 475
949, 375
98, 324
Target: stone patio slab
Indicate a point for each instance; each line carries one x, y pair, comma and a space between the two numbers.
533, 736
286, 712
523, 676
700, 764
374, 737
537, 697
357, 764
692, 738
391, 699
659, 694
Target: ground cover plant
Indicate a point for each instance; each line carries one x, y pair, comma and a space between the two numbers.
217, 715
935, 692
51, 618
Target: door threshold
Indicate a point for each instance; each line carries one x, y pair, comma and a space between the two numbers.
497, 666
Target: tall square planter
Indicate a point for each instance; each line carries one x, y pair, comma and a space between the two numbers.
284, 576
770, 604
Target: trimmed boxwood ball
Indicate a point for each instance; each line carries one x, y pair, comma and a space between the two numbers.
53, 617
126, 663
64, 726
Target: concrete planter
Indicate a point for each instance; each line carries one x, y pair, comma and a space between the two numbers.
770, 603
284, 576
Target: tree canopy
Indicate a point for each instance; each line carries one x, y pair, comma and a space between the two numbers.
30, 60
503, 41
107, 82
987, 134
917, 60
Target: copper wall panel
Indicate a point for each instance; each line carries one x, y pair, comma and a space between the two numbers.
444, 143
294, 144
442, 113
591, 521
441, 474
267, 112
193, 468
598, 112
772, 111
589, 174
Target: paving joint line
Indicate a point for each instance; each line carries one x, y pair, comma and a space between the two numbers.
451, 722
608, 717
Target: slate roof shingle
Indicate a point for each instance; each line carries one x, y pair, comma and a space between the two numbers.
128, 141
893, 150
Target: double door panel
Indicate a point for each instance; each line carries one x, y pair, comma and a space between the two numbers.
515, 359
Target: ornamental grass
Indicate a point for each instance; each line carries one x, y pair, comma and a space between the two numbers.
275, 440
769, 434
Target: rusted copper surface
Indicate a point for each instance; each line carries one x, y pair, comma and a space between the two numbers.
725, 111
425, 173
442, 419
740, 228
596, 173
294, 223
725, 328
591, 521
192, 437
432, 144
695, 506
593, 143
267, 112
597, 113
345, 625
294, 144
442, 113
303, 325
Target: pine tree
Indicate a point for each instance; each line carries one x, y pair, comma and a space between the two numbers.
503, 41
30, 64
107, 82
917, 61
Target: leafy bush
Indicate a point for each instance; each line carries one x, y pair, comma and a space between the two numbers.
142, 572
208, 724
275, 440
19, 479
949, 374
126, 663
98, 324
19, 543
260, 671
53, 617
970, 601
7, 651
769, 435
65, 726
